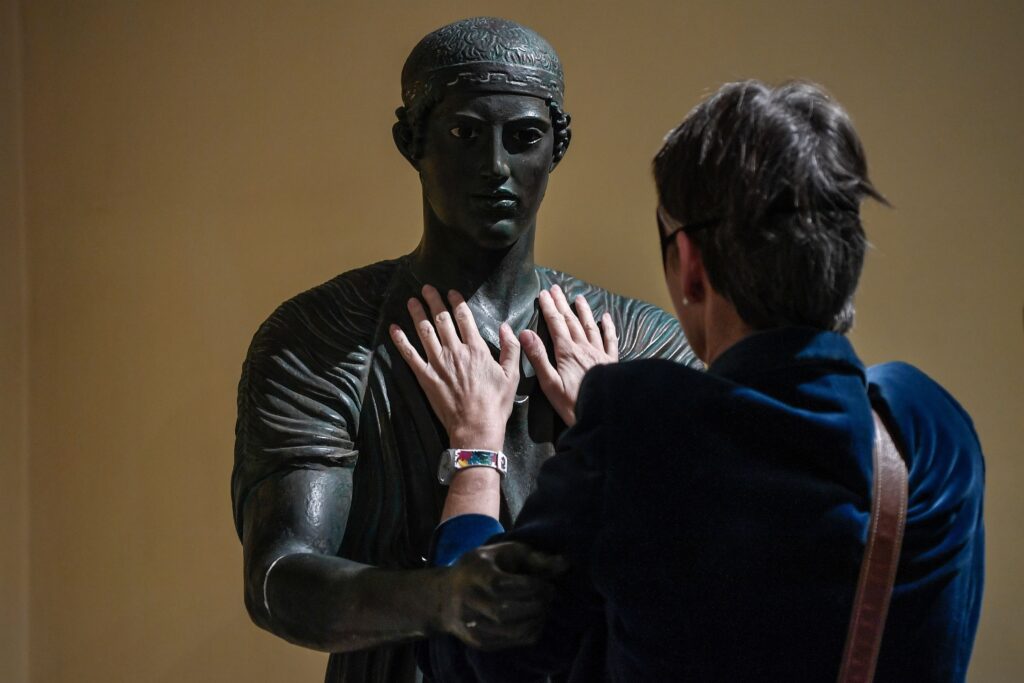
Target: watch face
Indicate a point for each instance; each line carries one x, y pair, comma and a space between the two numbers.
445, 467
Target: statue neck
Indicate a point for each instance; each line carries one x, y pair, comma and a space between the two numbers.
500, 285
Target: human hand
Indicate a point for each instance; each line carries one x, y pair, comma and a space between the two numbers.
579, 344
497, 596
470, 392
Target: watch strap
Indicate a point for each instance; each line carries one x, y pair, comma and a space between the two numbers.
455, 459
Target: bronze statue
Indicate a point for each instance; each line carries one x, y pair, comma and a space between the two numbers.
335, 487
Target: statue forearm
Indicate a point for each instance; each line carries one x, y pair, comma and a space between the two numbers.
299, 589
336, 605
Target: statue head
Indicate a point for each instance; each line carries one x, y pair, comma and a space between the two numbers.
481, 54
482, 123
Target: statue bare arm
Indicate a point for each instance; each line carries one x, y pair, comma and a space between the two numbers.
297, 588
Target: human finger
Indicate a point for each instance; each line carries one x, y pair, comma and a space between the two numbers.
442, 318
554, 318
587, 322
464, 319
408, 351
534, 349
508, 356
611, 336
572, 323
425, 330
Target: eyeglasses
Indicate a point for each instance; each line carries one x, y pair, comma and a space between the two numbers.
669, 227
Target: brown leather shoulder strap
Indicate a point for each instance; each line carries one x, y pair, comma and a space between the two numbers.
881, 558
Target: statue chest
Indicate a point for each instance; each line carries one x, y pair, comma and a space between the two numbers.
530, 437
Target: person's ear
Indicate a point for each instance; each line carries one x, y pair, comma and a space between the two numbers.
404, 138
691, 269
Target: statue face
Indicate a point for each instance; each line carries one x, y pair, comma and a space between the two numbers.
485, 164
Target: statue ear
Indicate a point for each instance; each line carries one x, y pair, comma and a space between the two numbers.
560, 151
563, 133
404, 138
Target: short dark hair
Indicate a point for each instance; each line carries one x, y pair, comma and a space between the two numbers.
781, 174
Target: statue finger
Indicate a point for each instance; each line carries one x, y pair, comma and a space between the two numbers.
507, 586
572, 323
611, 336
425, 330
586, 316
507, 610
465, 320
442, 318
493, 636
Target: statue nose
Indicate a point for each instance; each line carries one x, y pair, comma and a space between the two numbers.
496, 165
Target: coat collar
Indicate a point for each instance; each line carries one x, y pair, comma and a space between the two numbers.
784, 348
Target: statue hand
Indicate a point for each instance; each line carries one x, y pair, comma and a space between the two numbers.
498, 595
579, 344
469, 391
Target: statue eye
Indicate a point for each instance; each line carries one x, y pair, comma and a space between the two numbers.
464, 132
527, 136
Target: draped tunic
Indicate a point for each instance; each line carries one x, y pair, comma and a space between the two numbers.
323, 386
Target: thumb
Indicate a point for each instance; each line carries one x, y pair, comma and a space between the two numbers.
508, 357
538, 356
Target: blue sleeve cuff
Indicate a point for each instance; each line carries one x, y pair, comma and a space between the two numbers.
460, 534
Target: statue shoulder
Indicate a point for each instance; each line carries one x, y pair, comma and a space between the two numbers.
319, 343
645, 330
341, 312
301, 390
609, 300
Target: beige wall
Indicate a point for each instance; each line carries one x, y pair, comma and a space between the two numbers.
13, 363
191, 164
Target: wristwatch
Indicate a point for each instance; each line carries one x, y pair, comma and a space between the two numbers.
454, 459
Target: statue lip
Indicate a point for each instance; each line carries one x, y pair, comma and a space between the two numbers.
498, 194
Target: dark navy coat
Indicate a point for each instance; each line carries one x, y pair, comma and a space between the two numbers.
715, 522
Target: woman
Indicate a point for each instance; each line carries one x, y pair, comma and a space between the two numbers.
731, 546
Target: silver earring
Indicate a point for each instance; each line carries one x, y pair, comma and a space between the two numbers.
686, 302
